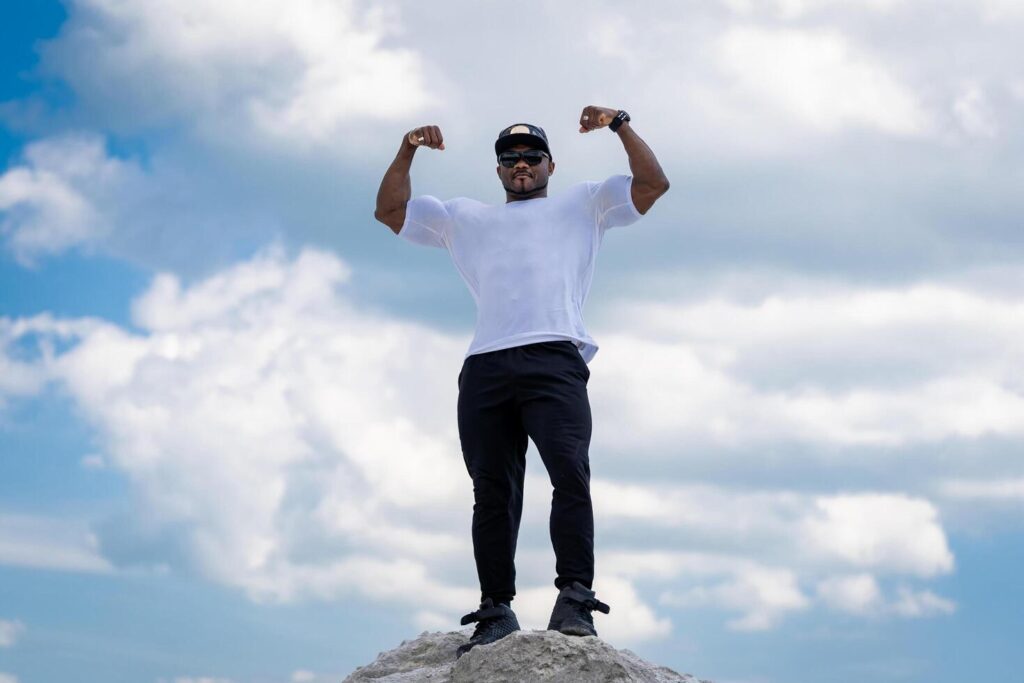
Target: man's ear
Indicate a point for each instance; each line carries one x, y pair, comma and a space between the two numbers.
497, 169
551, 167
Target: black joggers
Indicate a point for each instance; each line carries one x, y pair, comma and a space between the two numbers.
537, 390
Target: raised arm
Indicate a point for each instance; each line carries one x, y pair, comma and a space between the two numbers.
649, 181
396, 187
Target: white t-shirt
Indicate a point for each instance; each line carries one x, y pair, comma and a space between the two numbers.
528, 264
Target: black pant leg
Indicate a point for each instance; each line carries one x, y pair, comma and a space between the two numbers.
494, 447
555, 408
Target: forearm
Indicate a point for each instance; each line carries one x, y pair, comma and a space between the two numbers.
396, 189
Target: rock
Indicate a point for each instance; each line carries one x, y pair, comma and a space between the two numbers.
523, 657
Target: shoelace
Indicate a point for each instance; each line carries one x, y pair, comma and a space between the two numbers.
482, 614
587, 601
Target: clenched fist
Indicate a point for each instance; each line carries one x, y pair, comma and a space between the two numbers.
426, 136
593, 118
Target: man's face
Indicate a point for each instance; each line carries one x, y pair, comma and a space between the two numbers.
523, 178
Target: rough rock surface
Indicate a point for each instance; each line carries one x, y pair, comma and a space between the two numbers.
523, 657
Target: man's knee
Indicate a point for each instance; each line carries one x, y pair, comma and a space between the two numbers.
574, 481
494, 491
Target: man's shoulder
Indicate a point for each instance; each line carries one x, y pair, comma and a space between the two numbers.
592, 186
581, 191
466, 203
466, 208
450, 200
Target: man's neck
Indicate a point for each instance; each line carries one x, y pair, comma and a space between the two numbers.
536, 194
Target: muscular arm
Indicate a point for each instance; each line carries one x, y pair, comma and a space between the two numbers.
396, 186
395, 189
649, 181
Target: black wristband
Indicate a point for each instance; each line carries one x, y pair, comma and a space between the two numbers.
617, 121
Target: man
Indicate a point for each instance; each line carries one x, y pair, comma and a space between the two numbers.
528, 264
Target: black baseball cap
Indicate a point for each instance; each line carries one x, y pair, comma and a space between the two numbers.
521, 134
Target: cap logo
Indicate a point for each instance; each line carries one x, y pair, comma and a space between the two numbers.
519, 129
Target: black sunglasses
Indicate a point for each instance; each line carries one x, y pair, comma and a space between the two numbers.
532, 156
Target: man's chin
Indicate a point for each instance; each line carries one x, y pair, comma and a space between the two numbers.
527, 186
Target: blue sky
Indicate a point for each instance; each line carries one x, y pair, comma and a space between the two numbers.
228, 447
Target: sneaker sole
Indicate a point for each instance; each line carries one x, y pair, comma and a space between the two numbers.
463, 649
576, 631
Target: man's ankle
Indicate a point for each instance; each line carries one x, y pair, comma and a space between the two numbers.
499, 599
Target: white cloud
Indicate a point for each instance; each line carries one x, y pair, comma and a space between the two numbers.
69, 191
884, 532
1000, 10
794, 9
798, 9
763, 594
49, 543
18, 376
62, 195
819, 79
10, 631
974, 114
8, 678
612, 35
856, 593
299, 74
714, 510
836, 366
881, 531
860, 594
921, 604
794, 538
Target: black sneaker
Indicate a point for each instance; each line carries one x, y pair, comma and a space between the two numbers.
496, 622
571, 614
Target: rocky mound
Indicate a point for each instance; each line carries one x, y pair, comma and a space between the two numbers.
523, 657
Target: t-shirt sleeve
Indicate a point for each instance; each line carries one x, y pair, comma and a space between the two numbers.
612, 201
427, 222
